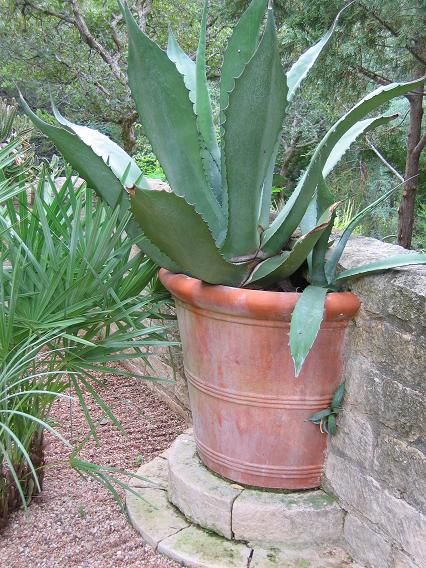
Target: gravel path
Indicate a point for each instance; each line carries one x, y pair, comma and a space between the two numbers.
75, 522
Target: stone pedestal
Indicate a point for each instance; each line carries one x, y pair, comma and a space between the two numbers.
201, 520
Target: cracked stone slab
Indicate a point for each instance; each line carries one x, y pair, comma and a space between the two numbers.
188, 433
203, 497
153, 516
166, 529
155, 472
308, 517
197, 548
300, 557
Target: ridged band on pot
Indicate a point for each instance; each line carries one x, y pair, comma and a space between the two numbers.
249, 411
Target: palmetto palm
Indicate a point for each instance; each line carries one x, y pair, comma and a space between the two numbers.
71, 302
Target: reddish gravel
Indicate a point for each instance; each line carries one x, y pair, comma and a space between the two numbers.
75, 522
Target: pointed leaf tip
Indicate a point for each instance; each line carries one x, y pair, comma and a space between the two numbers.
303, 65
305, 324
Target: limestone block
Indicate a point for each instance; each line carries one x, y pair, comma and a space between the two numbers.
304, 517
403, 468
361, 250
361, 384
355, 437
165, 391
159, 184
163, 527
167, 363
202, 496
401, 560
397, 406
399, 353
361, 493
198, 548
401, 408
300, 557
400, 292
153, 516
365, 544
155, 473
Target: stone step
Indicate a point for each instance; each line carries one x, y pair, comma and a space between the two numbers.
169, 532
275, 517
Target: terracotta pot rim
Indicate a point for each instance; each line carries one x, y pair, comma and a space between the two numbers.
253, 304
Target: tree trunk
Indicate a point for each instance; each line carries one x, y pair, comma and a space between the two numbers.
128, 134
407, 206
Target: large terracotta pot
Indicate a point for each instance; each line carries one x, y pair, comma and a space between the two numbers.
249, 411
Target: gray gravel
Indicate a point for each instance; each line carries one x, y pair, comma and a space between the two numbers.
75, 522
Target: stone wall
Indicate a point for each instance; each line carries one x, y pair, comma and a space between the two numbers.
376, 463
167, 363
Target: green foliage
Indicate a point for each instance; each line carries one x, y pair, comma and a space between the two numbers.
305, 323
420, 229
149, 164
344, 216
220, 234
326, 419
7, 116
16, 151
70, 290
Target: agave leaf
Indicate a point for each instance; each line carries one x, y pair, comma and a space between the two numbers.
163, 216
253, 123
332, 262
331, 425
318, 416
158, 256
194, 76
282, 266
122, 165
184, 64
169, 121
321, 201
203, 110
299, 70
99, 176
274, 238
337, 400
323, 197
349, 138
240, 49
265, 200
83, 158
241, 46
316, 261
378, 266
305, 323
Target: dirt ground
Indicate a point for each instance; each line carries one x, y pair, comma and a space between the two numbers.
75, 522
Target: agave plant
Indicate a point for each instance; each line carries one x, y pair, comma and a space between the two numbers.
215, 224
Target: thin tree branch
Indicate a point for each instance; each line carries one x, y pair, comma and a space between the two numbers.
59, 15
420, 146
87, 37
381, 80
143, 9
114, 32
395, 33
91, 41
385, 162
80, 73
373, 75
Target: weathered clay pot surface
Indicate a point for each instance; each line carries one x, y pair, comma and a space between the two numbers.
249, 411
